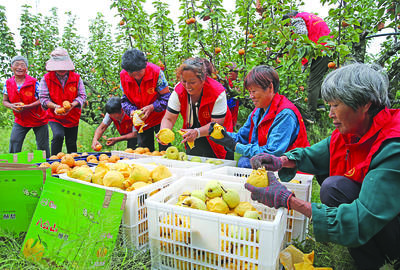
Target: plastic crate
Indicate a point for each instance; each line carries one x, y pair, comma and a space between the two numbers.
186, 238
180, 168
134, 221
123, 154
297, 223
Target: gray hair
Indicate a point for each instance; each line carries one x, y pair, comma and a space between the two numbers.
357, 84
196, 65
19, 58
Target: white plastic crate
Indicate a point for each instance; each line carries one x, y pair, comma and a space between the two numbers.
297, 223
123, 154
186, 238
180, 168
134, 220
224, 162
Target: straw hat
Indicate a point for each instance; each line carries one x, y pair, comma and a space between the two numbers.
59, 60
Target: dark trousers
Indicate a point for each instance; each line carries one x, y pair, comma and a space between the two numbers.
146, 139
59, 132
318, 68
131, 143
19, 132
384, 246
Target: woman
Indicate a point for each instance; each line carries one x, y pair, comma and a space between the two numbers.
20, 94
360, 199
59, 85
144, 88
200, 100
275, 126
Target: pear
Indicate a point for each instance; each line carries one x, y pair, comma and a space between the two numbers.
172, 152
194, 203
242, 207
258, 178
199, 194
231, 197
183, 196
196, 159
252, 214
217, 205
213, 189
159, 173
182, 156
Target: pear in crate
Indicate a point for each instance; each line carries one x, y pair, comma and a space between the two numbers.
231, 197
258, 178
99, 173
217, 205
213, 189
159, 173
172, 152
199, 194
182, 156
139, 174
183, 196
81, 173
123, 168
113, 179
196, 159
242, 207
194, 203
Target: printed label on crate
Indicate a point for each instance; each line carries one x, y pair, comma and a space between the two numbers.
74, 225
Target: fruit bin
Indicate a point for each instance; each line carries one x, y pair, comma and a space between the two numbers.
297, 224
134, 221
123, 154
186, 238
180, 168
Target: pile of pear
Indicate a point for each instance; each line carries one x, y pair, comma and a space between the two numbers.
218, 199
121, 175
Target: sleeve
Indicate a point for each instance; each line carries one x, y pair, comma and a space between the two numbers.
242, 136
44, 95
160, 104
162, 81
174, 105
107, 120
81, 97
220, 106
355, 224
5, 89
313, 160
300, 26
281, 134
126, 105
37, 90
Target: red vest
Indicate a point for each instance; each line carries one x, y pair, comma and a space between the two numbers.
211, 91
351, 158
34, 117
58, 94
125, 126
144, 95
278, 104
316, 26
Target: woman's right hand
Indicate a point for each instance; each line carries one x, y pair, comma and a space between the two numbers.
94, 143
190, 135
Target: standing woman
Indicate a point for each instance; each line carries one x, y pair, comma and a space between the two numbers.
59, 85
20, 94
200, 100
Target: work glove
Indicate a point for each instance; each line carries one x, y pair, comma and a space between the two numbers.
270, 162
275, 195
227, 141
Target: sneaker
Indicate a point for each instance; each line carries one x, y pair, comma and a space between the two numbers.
321, 108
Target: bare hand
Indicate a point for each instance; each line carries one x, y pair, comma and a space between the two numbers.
190, 135
94, 143
147, 110
111, 141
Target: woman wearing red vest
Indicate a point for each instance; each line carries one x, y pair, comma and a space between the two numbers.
122, 123
20, 94
275, 126
200, 100
144, 88
360, 206
62, 84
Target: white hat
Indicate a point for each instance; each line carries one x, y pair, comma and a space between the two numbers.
59, 60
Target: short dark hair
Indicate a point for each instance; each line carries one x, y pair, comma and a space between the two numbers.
262, 76
289, 15
133, 60
113, 105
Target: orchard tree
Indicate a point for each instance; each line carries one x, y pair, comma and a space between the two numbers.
7, 46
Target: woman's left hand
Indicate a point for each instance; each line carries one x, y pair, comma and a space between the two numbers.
190, 135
